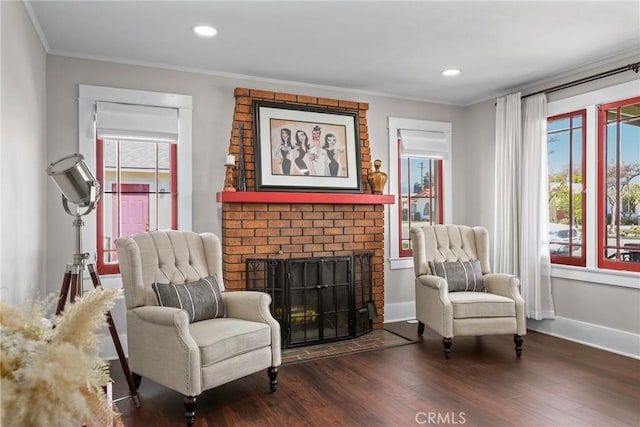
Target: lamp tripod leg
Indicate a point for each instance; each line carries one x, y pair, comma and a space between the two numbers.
64, 290
116, 342
70, 286
76, 281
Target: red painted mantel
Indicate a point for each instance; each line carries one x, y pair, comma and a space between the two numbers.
313, 198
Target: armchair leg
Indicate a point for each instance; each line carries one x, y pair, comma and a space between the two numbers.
518, 340
273, 374
190, 410
420, 328
447, 347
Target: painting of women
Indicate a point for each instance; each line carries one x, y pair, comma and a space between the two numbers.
285, 150
302, 148
330, 148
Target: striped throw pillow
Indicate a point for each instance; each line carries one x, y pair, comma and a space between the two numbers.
201, 300
460, 275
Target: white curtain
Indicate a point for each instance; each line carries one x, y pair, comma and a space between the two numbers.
507, 184
535, 264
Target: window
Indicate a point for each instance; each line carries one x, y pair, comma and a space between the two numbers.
566, 141
139, 145
139, 192
610, 125
420, 176
619, 185
136, 167
420, 196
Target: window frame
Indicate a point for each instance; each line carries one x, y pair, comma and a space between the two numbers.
114, 268
589, 101
394, 125
602, 234
88, 97
403, 253
570, 259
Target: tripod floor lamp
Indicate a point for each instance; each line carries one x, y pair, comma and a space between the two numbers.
78, 186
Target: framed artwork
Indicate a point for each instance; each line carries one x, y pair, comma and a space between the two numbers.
300, 148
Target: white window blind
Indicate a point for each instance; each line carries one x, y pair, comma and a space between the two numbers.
420, 143
137, 122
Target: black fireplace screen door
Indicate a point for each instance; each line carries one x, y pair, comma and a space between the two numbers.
317, 299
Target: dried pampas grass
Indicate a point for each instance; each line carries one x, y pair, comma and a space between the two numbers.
53, 375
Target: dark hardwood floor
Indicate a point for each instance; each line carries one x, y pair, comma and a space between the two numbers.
556, 383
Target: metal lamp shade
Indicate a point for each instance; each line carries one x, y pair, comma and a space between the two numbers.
74, 179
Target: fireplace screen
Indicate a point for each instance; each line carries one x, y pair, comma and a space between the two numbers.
316, 299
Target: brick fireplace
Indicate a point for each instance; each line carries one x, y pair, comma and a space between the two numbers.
295, 225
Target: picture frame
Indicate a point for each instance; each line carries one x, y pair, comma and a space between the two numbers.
303, 148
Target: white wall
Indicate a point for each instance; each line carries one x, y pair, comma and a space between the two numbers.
23, 240
479, 160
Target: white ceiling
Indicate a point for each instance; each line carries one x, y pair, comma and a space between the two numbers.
394, 48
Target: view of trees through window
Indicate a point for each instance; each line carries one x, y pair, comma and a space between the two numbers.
617, 196
619, 185
566, 147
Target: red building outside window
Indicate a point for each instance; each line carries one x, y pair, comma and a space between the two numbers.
420, 195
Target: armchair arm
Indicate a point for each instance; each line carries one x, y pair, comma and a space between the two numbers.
161, 348
508, 285
433, 307
254, 306
163, 316
248, 305
434, 282
502, 284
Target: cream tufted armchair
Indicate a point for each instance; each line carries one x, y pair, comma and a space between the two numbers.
165, 345
460, 254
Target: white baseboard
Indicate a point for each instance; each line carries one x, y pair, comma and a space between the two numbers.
108, 349
602, 337
399, 312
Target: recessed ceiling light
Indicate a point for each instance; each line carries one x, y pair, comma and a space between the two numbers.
451, 72
205, 31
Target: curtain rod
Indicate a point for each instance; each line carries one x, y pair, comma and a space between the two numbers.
635, 67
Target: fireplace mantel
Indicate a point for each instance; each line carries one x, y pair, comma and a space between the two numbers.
309, 198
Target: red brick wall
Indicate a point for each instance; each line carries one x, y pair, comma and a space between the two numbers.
298, 230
